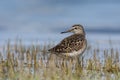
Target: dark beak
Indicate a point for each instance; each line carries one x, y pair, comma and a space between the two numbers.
66, 31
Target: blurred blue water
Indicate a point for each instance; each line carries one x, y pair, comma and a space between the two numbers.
102, 40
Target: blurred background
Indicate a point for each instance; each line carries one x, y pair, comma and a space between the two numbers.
42, 21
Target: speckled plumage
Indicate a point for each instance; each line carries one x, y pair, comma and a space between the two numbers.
72, 45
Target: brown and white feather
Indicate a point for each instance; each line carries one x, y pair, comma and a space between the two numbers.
72, 45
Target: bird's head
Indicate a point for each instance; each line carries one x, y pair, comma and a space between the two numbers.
76, 29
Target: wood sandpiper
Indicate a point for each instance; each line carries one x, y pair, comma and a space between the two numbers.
73, 45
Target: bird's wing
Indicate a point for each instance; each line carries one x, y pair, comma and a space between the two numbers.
69, 44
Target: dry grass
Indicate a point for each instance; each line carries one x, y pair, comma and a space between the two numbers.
20, 62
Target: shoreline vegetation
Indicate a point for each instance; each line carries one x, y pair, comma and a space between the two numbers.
34, 62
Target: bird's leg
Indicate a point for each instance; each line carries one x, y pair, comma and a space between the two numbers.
78, 61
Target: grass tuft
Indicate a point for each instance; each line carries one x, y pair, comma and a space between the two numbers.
34, 62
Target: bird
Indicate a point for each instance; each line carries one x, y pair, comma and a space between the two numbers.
73, 45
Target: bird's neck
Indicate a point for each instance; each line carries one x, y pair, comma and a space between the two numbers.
80, 33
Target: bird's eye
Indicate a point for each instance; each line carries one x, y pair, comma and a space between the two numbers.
75, 28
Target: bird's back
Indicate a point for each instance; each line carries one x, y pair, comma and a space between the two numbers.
69, 44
